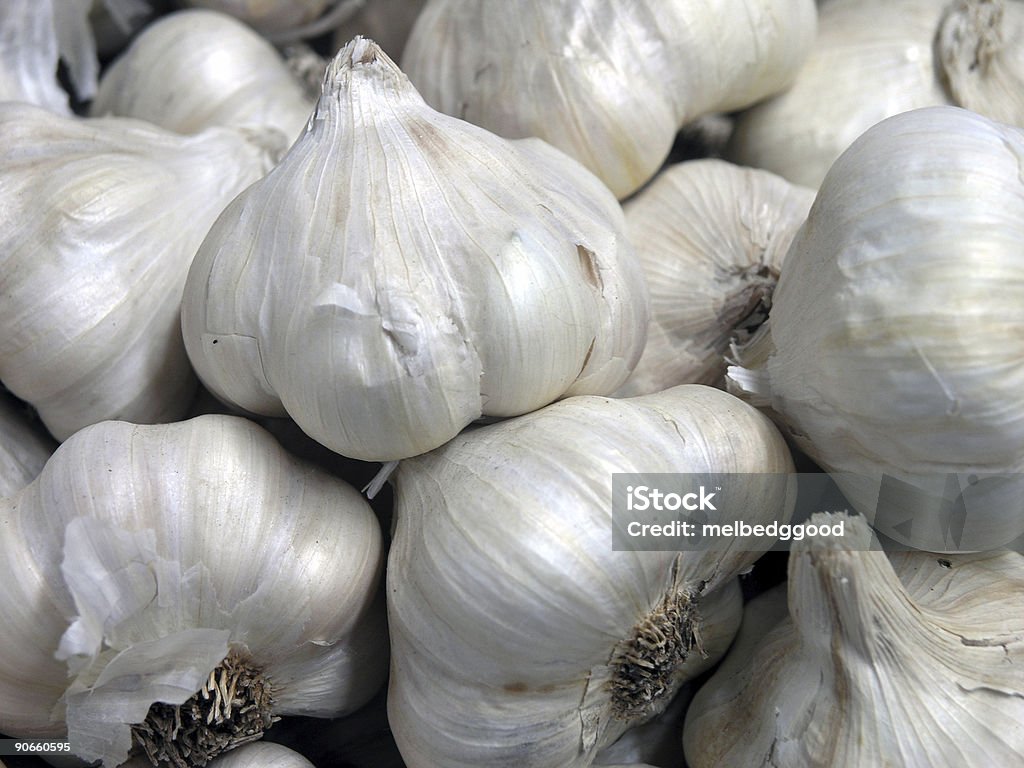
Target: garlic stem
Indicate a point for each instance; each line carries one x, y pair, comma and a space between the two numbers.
234, 707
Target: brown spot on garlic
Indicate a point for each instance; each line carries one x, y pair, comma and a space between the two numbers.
233, 707
644, 663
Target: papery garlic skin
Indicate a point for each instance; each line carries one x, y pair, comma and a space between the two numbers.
876, 58
502, 580
891, 348
185, 539
28, 55
102, 217
980, 49
259, 754
401, 273
872, 667
191, 70
387, 22
608, 83
711, 237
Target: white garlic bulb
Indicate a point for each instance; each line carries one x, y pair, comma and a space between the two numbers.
24, 447
28, 55
609, 83
195, 564
871, 668
401, 273
891, 350
876, 58
711, 237
980, 50
102, 217
194, 69
502, 580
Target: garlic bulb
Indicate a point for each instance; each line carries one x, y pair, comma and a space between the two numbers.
503, 583
608, 83
102, 217
24, 447
868, 669
194, 69
28, 55
980, 48
711, 237
891, 352
195, 564
877, 58
401, 273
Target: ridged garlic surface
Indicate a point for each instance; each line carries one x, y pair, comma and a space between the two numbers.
503, 583
102, 218
917, 666
401, 273
609, 83
876, 58
24, 446
191, 70
891, 352
148, 563
711, 237
28, 55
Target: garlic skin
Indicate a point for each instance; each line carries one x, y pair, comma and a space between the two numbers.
103, 217
28, 55
891, 348
608, 83
24, 447
981, 55
143, 554
869, 667
876, 58
191, 70
502, 580
711, 237
401, 273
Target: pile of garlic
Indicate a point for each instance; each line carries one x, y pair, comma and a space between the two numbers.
252, 262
